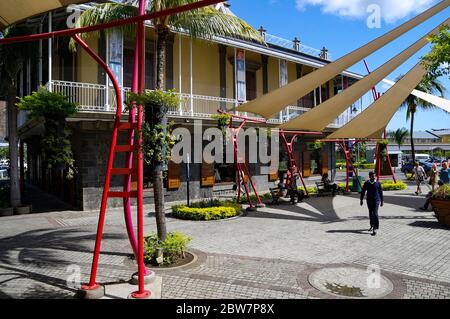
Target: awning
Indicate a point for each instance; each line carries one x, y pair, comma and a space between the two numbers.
13, 11
270, 104
430, 98
320, 116
373, 121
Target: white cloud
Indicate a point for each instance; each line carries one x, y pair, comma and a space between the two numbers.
391, 10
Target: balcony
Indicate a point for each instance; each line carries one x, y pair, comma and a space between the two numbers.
97, 98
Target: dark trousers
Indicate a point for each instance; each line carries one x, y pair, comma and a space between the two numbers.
373, 214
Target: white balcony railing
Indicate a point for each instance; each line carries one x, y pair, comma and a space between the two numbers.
94, 98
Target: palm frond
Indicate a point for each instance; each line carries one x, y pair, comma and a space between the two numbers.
104, 13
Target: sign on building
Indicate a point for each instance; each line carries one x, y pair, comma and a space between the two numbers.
241, 87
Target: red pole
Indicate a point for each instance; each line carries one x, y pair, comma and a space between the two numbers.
92, 284
141, 293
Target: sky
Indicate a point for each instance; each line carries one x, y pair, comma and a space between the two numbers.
342, 26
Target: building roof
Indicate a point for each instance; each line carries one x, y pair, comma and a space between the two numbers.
440, 132
425, 135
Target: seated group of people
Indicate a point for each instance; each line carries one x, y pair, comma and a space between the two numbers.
298, 195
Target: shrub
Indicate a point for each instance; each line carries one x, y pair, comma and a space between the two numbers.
207, 210
263, 197
173, 248
443, 192
311, 189
386, 185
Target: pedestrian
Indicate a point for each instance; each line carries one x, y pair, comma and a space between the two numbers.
419, 174
329, 185
433, 177
430, 196
295, 193
444, 173
374, 201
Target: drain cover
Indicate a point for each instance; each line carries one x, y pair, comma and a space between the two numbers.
351, 282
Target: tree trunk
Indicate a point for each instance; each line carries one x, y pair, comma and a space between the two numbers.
158, 188
413, 152
13, 138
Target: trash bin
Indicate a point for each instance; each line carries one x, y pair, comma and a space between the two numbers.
356, 187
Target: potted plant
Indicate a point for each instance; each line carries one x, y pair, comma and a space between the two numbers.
440, 202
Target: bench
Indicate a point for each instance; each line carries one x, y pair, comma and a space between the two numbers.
275, 193
322, 190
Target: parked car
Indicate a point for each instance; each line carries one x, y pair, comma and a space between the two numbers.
408, 167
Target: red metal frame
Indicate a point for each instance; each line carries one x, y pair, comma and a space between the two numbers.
292, 165
149, 16
376, 96
240, 166
138, 85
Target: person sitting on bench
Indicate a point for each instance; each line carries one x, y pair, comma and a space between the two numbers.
293, 189
282, 189
328, 184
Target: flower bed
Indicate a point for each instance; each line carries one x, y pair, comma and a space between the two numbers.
207, 210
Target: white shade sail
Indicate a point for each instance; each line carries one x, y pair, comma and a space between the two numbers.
13, 11
373, 121
320, 116
435, 100
270, 104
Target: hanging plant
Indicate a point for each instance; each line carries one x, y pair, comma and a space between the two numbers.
382, 149
156, 134
53, 108
223, 121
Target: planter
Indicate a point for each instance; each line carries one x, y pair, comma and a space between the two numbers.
441, 208
22, 210
6, 211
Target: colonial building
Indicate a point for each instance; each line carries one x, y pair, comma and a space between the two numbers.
204, 74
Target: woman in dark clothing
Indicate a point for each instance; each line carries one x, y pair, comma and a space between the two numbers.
374, 200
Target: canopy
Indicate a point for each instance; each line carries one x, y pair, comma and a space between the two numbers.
372, 122
320, 116
435, 100
13, 11
270, 104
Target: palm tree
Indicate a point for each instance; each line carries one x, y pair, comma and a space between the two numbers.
204, 23
12, 59
399, 136
412, 103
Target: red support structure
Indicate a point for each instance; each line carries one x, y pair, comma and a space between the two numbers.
292, 165
376, 96
241, 167
242, 172
149, 16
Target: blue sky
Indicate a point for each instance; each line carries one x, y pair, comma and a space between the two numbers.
341, 26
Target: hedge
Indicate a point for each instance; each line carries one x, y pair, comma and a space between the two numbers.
207, 210
386, 185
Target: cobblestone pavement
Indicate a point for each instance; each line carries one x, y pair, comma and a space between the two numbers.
264, 254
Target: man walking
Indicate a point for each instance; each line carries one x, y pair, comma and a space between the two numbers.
374, 200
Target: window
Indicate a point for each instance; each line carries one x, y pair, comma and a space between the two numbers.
128, 61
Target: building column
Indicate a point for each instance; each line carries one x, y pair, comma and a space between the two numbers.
265, 70
223, 74
22, 168
50, 51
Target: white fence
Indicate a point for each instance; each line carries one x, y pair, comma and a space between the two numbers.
93, 98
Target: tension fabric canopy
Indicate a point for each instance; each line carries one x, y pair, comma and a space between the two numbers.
13, 11
373, 121
320, 116
270, 104
433, 99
